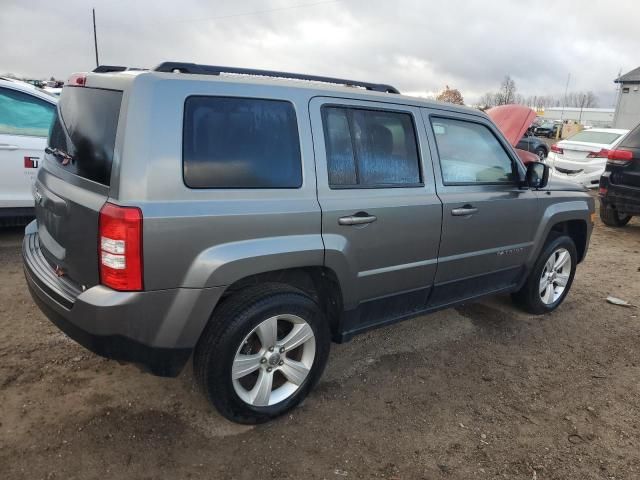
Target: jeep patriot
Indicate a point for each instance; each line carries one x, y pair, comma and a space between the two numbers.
247, 218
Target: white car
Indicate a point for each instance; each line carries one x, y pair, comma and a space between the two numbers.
26, 113
583, 157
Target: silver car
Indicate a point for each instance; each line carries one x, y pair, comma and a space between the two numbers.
248, 218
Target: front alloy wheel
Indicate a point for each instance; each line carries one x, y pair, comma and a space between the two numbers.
555, 276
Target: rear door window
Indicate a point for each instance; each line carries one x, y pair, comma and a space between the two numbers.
24, 114
370, 148
240, 143
85, 128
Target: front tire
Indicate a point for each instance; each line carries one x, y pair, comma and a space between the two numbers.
550, 279
263, 351
611, 217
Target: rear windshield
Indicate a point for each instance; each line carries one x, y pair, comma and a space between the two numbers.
85, 128
633, 139
595, 137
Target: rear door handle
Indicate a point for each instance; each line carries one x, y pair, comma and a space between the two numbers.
360, 218
464, 211
6, 146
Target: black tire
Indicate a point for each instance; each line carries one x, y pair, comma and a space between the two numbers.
231, 322
541, 153
528, 297
611, 217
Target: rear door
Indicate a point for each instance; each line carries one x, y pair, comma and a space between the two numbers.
24, 125
488, 220
380, 213
70, 191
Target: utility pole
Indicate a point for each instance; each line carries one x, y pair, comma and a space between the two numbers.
95, 36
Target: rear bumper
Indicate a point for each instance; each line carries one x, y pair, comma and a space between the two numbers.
156, 330
586, 173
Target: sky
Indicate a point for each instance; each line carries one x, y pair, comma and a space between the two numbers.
417, 46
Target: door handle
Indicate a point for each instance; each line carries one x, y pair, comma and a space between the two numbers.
360, 218
464, 211
6, 146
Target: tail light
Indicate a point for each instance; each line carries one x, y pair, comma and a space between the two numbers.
120, 249
556, 149
77, 80
604, 153
602, 191
620, 157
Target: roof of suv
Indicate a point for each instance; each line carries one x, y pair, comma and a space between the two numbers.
305, 82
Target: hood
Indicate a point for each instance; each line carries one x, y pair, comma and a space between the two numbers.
512, 120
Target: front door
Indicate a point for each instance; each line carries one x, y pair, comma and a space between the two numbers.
488, 219
381, 217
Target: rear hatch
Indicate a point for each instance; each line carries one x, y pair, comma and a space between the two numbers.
74, 182
627, 172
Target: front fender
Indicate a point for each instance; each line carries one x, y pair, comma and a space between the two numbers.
227, 263
558, 212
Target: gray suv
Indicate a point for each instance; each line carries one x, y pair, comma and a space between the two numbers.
248, 218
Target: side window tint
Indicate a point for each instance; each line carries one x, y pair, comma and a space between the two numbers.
470, 153
240, 143
340, 157
24, 114
370, 148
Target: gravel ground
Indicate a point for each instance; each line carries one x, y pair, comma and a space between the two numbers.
479, 391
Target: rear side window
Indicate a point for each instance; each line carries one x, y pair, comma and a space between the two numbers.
85, 128
470, 153
240, 143
633, 139
370, 148
24, 114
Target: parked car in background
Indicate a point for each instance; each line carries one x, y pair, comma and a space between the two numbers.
315, 210
582, 157
548, 129
26, 113
533, 144
620, 183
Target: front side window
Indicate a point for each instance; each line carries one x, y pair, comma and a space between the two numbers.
470, 153
240, 143
370, 148
24, 114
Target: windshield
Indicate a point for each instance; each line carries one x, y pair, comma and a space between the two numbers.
589, 136
85, 128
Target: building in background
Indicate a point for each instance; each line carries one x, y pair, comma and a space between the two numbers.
628, 106
590, 117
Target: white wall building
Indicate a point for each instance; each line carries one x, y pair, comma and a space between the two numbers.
628, 105
594, 117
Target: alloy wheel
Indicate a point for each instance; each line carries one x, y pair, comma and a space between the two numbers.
555, 276
273, 360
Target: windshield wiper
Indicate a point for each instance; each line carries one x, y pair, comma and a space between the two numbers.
59, 154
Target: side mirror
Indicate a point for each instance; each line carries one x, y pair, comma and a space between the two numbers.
537, 175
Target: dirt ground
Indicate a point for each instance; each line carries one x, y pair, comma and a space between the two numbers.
480, 391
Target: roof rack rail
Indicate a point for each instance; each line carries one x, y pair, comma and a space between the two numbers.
113, 68
198, 69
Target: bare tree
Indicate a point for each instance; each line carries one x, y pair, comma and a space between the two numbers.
450, 95
507, 92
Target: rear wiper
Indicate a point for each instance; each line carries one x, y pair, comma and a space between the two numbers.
63, 156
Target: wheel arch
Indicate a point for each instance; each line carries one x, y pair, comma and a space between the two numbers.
320, 283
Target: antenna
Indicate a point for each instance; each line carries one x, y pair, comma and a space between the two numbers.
95, 36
